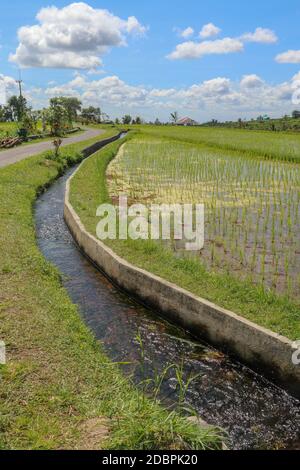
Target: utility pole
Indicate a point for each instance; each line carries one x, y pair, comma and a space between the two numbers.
20, 81
20, 86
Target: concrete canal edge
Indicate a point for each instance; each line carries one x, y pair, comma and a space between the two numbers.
258, 347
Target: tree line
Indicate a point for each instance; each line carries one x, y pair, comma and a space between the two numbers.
286, 123
58, 117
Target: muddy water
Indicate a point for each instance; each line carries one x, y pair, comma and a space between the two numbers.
255, 413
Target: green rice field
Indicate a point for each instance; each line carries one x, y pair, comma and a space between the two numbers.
262, 144
252, 205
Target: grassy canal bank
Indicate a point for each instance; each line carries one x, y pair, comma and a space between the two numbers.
58, 389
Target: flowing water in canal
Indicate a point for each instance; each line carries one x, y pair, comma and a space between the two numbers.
255, 413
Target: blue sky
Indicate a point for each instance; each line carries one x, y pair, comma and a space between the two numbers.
147, 75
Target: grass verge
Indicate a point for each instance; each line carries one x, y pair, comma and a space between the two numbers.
89, 190
58, 389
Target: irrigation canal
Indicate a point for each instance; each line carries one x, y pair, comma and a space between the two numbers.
255, 413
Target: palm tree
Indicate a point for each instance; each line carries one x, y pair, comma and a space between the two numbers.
174, 117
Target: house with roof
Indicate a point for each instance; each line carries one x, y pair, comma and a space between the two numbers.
186, 121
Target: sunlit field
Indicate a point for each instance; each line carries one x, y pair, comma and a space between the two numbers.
7, 129
252, 205
279, 145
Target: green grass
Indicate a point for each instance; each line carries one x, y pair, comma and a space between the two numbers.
58, 380
281, 146
8, 129
89, 190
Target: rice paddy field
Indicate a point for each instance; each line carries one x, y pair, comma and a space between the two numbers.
252, 202
268, 145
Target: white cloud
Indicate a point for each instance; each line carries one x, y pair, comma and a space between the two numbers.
186, 33
195, 50
162, 93
219, 97
109, 90
8, 82
261, 35
296, 78
216, 87
133, 26
209, 30
75, 36
8, 87
289, 57
251, 81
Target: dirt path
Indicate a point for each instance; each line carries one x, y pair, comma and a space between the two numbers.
8, 157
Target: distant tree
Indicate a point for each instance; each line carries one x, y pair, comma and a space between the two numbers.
138, 120
174, 117
17, 106
2, 113
105, 117
117, 121
6, 114
91, 114
57, 117
296, 114
44, 118
71, 105
29, 121
127, 119
157, 122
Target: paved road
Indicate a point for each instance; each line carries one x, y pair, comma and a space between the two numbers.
8, 157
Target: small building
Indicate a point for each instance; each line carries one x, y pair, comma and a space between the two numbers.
186, 121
